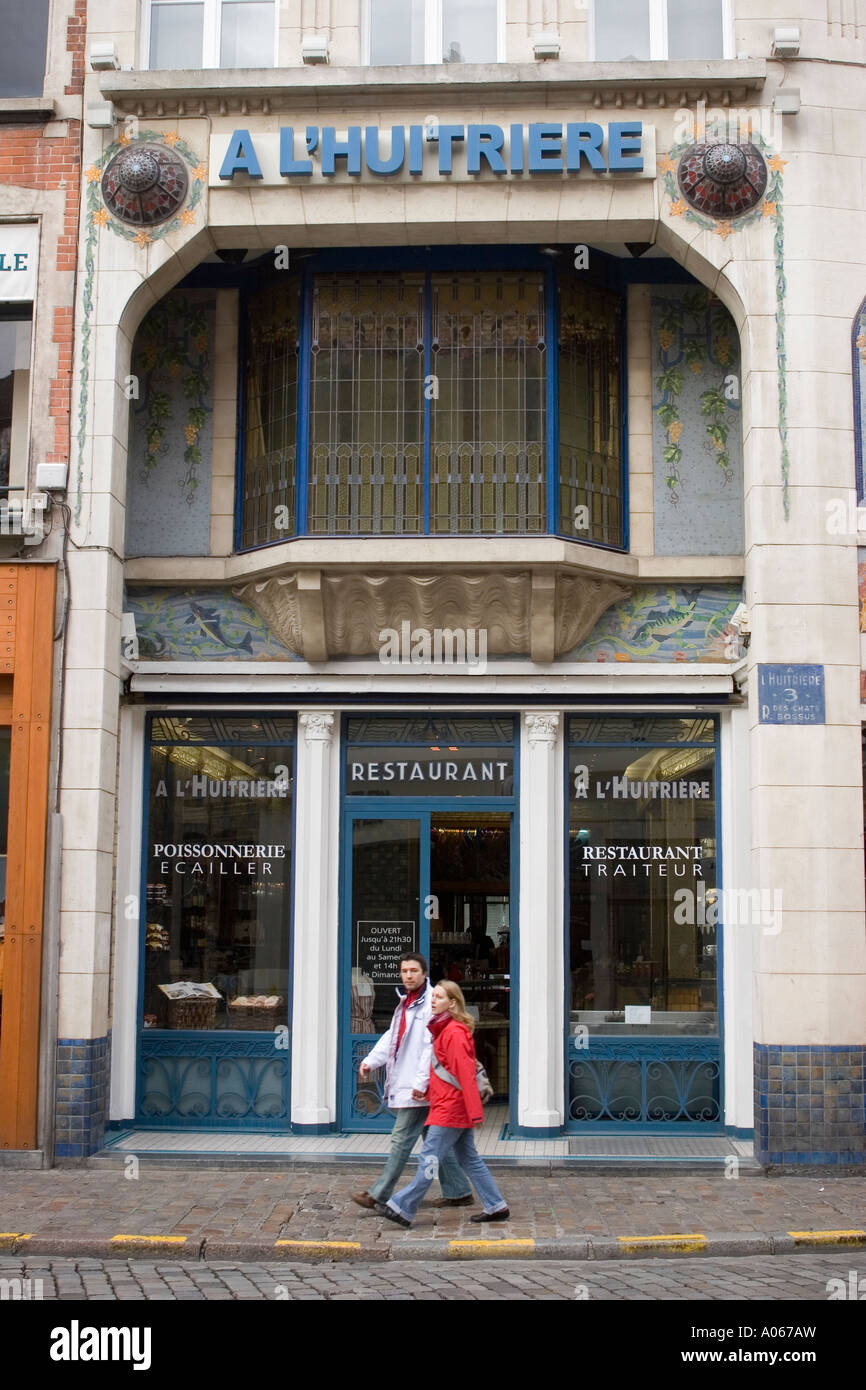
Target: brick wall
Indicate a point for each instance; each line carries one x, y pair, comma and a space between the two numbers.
32, 158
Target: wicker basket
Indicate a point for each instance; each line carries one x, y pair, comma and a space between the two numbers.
258, 1019
192, 1013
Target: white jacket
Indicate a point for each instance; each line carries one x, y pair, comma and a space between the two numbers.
408, 1069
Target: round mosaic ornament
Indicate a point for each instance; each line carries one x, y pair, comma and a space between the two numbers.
144, 184
722, 180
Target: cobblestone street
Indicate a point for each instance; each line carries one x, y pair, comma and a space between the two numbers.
799, 1277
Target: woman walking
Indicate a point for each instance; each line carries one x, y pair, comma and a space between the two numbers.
455, 1108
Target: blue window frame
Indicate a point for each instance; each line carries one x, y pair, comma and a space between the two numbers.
427, 393
402, 877
215, 957
643, 923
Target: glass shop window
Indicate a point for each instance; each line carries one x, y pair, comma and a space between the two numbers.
638, 30
433, 31
210, 33
15, 345
23, 52
219, 872
644, 905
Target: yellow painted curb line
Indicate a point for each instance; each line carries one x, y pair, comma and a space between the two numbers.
489, 1247
695, 1241
318, 1247
148, 1240
8, 1238
828, 1237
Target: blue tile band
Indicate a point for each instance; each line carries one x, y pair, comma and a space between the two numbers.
810, 1104
81, 1095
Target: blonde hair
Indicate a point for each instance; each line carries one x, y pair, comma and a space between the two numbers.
457, 1004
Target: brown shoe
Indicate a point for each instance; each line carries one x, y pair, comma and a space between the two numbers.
454, 1201
364, 1200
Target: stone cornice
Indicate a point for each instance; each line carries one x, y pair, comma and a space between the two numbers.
246, 92
417, 556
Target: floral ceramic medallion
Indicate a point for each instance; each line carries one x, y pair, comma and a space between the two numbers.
145, 184
722, 180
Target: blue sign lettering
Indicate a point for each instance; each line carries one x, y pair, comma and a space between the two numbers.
240, 157
540, 148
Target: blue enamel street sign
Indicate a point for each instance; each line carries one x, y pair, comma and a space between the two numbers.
791, 695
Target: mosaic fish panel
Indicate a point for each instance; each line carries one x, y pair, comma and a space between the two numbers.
200, 625
665, 623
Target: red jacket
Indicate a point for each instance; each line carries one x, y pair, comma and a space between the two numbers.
450, 1108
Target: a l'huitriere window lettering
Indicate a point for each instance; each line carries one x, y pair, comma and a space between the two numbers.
218, 873
644, 902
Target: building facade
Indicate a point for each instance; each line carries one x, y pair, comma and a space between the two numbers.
41, 92
465, 394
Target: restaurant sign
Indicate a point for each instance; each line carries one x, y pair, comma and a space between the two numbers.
321, 154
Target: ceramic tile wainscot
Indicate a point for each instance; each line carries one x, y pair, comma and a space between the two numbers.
81, 1095
810, 1104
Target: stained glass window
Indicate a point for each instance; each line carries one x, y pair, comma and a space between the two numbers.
488, 411
367, 405
427, 411
590, 442
271, 415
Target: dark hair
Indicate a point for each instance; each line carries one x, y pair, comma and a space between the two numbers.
413, 955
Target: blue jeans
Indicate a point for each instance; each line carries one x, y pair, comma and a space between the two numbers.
441, 1146
408, 1125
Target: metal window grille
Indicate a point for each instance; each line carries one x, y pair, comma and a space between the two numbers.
271, 416
488, 413
367, 406
590, 434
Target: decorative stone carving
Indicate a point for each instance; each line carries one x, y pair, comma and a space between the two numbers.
277, 601
318, 728
357, 607
580, 602
542, 727
145, 184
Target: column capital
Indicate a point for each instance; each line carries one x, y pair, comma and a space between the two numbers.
318, 728
542, 728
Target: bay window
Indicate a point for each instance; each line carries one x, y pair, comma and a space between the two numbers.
422, 402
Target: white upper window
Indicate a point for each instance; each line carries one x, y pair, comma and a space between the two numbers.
626, 30
210, 33
434, 31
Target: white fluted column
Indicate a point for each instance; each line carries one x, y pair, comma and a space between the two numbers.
314, 1011
541, 1028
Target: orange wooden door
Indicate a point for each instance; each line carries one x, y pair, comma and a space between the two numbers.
26, 654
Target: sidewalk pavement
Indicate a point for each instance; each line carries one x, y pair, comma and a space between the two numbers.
307, 1213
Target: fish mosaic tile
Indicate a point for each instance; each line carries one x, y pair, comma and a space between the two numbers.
665, 623
200, 625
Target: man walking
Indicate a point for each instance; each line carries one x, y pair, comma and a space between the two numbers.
405, 1051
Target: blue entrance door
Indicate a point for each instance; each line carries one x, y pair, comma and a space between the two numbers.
385, 891
438, 882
